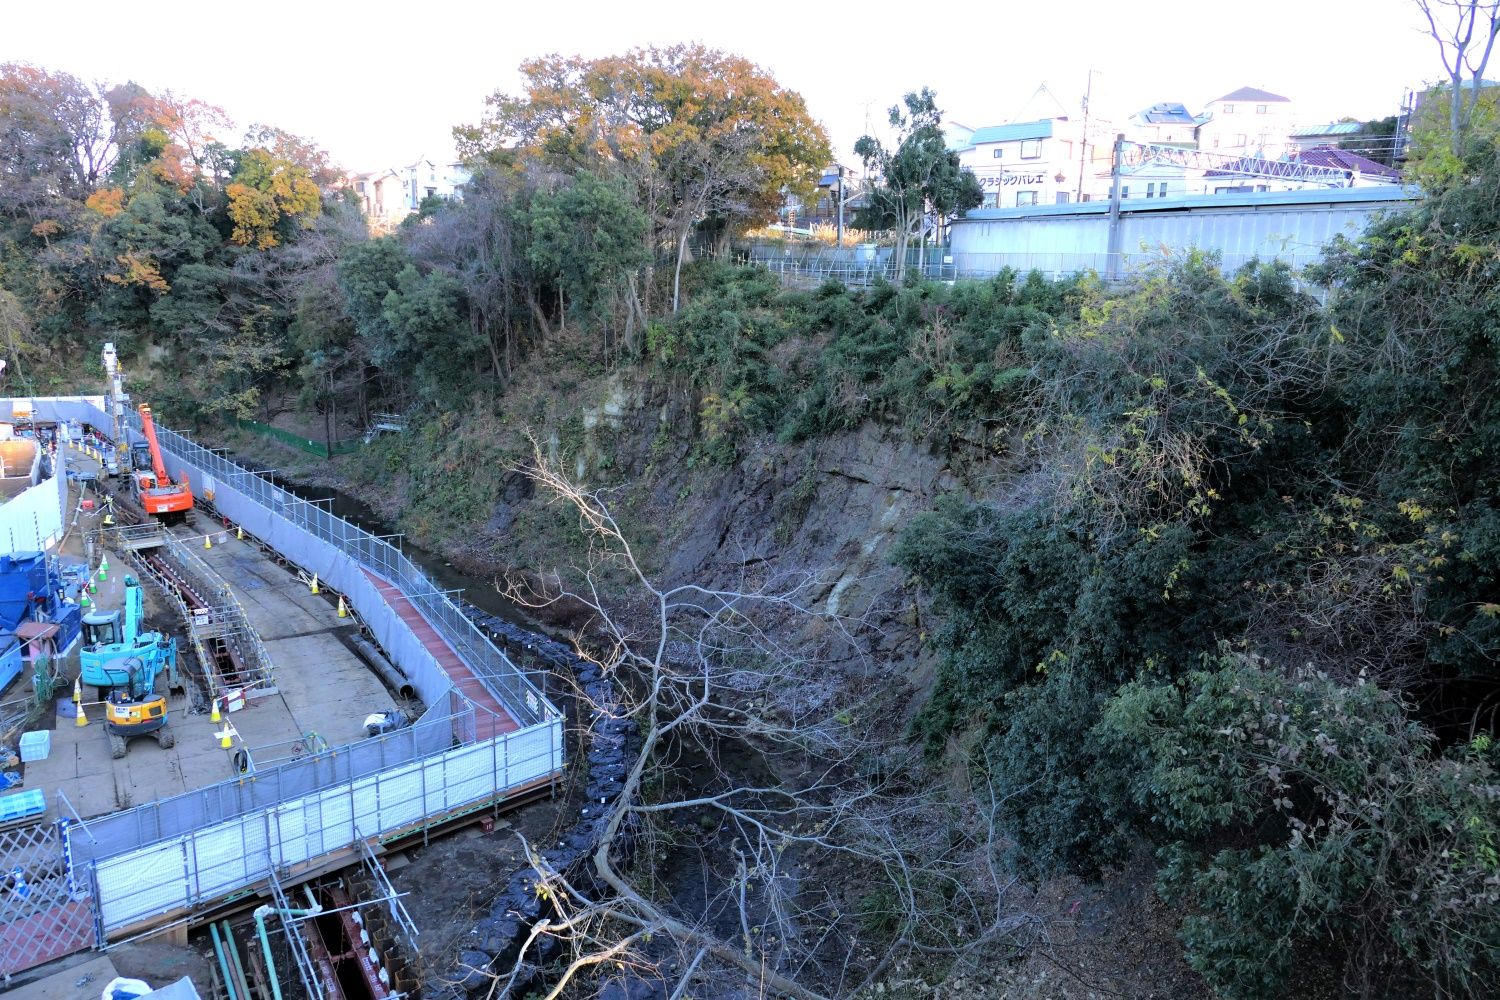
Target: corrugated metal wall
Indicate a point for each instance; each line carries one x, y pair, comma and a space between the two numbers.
1059, 244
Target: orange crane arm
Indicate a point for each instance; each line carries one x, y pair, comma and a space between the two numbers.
149, 427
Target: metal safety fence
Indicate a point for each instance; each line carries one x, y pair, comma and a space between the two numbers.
520, 694
210, 860
162, 861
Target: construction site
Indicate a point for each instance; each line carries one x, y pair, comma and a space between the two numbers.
230, 706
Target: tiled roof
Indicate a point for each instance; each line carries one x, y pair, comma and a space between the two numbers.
1166, 113
1334, 128
1252, 94
1328, 156
1013, 132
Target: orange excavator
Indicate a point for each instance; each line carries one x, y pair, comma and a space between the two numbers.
154, 490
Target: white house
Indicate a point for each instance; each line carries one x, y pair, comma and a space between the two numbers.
382, 197
1165, 124
1248, 122
1046, 162
389, 195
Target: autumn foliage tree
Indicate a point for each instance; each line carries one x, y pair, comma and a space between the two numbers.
268, 194
708, 140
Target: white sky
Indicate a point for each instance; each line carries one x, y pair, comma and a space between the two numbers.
378, 83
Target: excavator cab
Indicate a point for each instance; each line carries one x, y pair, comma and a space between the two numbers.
140, 457
101, 629
136, 710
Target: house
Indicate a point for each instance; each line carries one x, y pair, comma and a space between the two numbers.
1165, 124
389, 195
837, 180
1329, 134
426, 179
1248, 122
1046, 162
1252, 175
382, 198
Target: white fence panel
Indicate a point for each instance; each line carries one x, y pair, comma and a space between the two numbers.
229, 855
468, 774
143, 883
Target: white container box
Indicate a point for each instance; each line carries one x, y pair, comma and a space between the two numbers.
36, 746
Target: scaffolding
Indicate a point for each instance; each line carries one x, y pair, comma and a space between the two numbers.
1133, 154
229, 650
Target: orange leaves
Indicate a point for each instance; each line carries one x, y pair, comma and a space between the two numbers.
266, 191
108, 202
254, 214
139, 270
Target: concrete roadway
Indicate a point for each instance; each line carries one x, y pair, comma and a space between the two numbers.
321, 687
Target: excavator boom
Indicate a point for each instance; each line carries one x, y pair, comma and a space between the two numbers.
155, 490
148, 427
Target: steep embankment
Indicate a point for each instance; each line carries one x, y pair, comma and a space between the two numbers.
817, 517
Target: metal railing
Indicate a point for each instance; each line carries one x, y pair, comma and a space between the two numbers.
511, 686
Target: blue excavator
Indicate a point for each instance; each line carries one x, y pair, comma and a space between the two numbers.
124, 663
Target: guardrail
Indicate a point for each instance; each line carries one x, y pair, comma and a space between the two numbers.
522, 697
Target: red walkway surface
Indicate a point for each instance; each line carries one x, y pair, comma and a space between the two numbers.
59, 930
486, 726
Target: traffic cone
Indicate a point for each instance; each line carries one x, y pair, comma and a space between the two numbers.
225, 743
81, 720
343, 608
83, 598
78, 690
239, 533
214, 716
208, 541
104, 569
93, 586
314, 586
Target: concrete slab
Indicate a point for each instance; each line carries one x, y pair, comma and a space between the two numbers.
322, 688
81, 981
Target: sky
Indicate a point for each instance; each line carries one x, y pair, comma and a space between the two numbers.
379, 84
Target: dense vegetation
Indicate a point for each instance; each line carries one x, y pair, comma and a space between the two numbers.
1234, 598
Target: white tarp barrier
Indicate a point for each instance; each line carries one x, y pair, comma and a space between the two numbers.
216, 860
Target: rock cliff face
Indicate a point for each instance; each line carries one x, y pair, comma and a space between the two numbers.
819, 517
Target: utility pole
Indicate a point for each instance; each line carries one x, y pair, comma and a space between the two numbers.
1083, 151
840, 168
1112, 247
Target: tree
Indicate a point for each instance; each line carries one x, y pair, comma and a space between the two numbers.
919, 178
269, 196
702, 135
1378, 139
592, 237
704, 674
1464, 31
56, 139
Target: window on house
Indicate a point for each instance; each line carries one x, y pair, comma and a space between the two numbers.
1031, 149
1161, 190
1151, 190
1216, 142
1124, 191
1229, 109
1063, 197
1240, 139
431, 192
1260, 109
998, 153
1025, 197
992, 199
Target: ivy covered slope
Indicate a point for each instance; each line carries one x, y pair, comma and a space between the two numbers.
1237, 599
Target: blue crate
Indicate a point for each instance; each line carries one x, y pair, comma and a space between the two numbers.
19, 805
